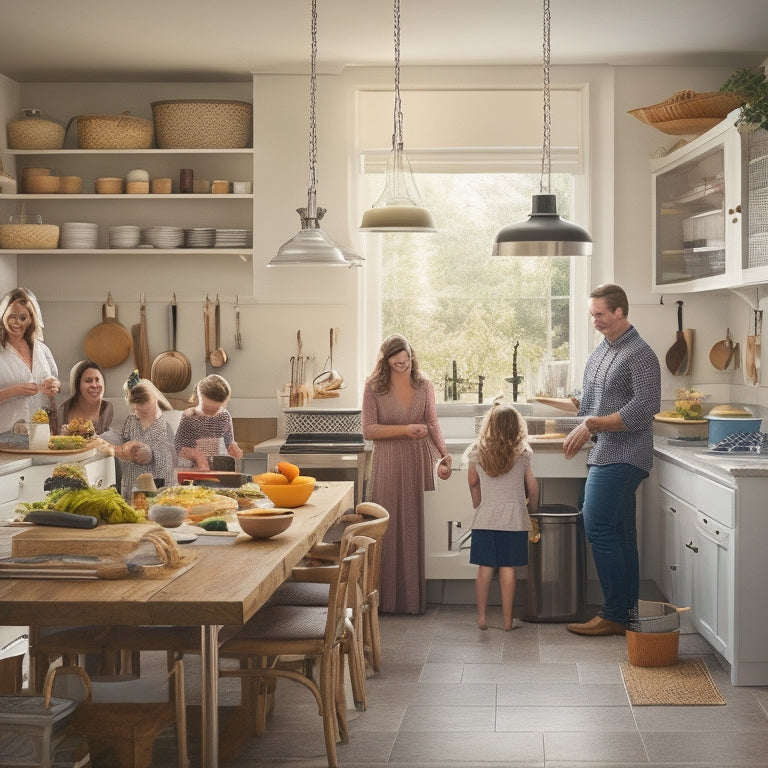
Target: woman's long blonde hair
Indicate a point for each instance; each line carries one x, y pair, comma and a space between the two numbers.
502, 440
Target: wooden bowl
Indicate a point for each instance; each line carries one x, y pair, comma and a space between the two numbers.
265, 526
41, 185
291, 495
108, 185
70, 185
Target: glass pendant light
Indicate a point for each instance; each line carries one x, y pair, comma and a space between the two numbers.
399, 209
544, 233
312, 246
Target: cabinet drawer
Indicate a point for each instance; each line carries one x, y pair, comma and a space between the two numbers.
714, 500
9, 488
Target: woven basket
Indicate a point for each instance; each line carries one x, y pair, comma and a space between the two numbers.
35, 132
688, 112
20, 237
113, 132
202, 123
656, 617
653, 649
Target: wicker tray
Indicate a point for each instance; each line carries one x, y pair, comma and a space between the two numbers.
688, 112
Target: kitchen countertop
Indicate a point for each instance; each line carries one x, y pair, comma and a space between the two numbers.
723, 468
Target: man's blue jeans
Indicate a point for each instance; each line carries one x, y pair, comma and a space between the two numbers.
610, 527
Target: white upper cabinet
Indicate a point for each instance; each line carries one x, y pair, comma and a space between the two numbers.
710, 202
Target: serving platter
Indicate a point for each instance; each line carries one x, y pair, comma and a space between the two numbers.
677, 420
18, 448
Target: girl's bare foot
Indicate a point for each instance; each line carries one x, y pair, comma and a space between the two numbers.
516, 624
482, 624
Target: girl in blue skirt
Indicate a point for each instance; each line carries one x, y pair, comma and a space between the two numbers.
504, 492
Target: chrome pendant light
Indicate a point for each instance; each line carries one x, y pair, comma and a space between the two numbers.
312, 246
399, 209
544, 233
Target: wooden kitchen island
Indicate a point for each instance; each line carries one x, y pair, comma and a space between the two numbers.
229, 580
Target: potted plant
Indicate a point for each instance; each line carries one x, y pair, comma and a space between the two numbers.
752, 85
39, 431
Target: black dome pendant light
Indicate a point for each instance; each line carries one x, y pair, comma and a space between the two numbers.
544, 233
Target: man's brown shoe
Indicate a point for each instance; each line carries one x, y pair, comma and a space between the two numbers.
597, 626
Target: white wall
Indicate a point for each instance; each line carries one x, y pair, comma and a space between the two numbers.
275, 304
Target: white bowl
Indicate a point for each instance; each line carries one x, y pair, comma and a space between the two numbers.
167, 515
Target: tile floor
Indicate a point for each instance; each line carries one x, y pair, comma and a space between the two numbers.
539, 697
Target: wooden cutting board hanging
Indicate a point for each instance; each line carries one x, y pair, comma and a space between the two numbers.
679, 355
108, 343
140, 346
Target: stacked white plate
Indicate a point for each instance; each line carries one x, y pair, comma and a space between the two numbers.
199, 237
78, 234
164, 237
126, 236
233, 238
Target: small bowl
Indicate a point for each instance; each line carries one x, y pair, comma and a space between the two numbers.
41, 185
265, 526
291, 495
108, 185
70, 185
167, 515
137, 187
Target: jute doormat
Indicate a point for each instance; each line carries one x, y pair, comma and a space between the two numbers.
687, 683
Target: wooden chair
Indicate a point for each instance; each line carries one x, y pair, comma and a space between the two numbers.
127, 729
288, 641
363, 614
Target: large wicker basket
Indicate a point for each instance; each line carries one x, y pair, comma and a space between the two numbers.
202, 123
113, 132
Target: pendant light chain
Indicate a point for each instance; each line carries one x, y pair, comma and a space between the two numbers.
546, 165
397, 137
312, 101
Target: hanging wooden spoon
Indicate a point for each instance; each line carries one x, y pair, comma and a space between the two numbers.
218, 356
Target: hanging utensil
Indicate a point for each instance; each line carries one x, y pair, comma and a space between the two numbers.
108, 343
329, 381
677, 354
238, 337
218, 356
171, 371
207, 333
139, 334
722, 352
753, 347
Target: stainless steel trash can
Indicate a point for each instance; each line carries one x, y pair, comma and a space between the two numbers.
557, 577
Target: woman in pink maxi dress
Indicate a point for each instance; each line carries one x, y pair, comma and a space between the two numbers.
400, 416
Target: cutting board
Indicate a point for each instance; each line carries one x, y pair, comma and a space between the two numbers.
119, 539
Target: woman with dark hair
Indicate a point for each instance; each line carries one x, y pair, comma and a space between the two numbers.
29, 377
86, 398
400, 416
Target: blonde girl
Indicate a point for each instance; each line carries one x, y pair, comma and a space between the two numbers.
207, 424
504, 492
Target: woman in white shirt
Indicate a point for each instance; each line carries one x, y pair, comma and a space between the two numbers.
29, 377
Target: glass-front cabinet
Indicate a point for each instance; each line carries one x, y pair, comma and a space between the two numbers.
710, 202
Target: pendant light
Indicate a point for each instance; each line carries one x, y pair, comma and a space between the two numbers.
312, 246
544, 233
399, 209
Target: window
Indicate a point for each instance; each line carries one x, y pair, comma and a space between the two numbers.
456, 302
445, 292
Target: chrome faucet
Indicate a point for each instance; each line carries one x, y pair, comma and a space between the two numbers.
456, 386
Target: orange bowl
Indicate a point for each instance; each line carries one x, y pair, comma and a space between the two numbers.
292, 495
265, 526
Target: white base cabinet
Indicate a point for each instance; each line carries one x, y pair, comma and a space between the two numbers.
713, 540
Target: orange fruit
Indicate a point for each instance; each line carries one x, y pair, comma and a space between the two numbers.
271, 478
301, 479
291, 471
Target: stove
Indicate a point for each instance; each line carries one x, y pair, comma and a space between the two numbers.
323, 442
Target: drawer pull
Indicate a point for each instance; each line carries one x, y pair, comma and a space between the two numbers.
690, 545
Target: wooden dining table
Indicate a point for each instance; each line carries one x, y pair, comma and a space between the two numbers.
228, 580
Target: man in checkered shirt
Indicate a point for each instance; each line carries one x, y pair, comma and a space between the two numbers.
622, 393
